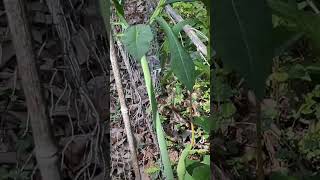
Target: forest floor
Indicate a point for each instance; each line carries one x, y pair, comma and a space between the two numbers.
77, 111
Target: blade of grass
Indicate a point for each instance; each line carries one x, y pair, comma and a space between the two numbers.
157, 11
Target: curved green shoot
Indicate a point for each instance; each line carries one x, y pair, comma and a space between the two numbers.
156, 119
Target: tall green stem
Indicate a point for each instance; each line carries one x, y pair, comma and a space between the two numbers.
168, 173
156, 119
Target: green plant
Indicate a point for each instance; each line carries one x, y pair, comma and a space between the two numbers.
251, 52
309, 144
195, 11
137, 39
311, 106
251, 48
188, 169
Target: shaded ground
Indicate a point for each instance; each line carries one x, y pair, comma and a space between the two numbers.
290, 122
79, 126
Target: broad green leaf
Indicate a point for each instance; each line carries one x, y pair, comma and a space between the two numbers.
204, 123
181, 62
243, 38
191, 165
137, 40
202, 172
206, 160
181, 168
188, 176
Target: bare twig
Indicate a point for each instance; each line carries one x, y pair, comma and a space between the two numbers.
124, 109
45, 148
127, 64
256, 110
188, 30
313, 6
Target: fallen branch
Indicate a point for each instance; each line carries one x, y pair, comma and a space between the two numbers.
188, 30
256, 108
45, 148
127, 64
124, 110
313, 6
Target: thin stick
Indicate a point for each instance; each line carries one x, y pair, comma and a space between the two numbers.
188, 30
45, 148
124, 110
126, 61
257, 108
313, 6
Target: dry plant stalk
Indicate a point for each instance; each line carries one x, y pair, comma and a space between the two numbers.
45, 148
255, 103
124, 110
188, 30
313, 6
